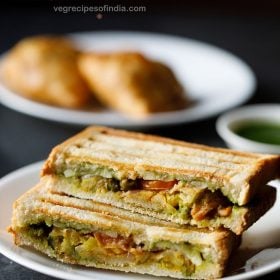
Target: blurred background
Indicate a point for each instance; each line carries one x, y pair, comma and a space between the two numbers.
249, 29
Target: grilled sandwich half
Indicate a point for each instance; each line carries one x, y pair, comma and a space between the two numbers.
163, 178
83, 232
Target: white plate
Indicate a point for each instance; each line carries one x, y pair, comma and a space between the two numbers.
264, 234
215, 79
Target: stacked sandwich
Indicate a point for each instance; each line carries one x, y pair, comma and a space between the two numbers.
139, 203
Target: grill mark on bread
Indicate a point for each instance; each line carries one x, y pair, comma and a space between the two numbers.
94, 206
140, 136
181, 159
237, 164
182, 150
192, 157
96, 210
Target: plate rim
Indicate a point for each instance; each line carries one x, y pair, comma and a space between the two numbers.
29, 169
42, 111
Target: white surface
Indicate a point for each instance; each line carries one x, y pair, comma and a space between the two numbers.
215, 79
263, 112
264, 234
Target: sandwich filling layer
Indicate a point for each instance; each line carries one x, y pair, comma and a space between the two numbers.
74, 168
83, 246
175, 198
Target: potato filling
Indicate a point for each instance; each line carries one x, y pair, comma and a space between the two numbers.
177, 198
79, 245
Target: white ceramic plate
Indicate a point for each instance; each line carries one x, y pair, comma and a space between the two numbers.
214, 79
264, 234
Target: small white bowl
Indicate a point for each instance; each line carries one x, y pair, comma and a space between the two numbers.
226, 123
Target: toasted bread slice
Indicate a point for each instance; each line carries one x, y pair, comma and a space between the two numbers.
177, 208
82, 232
122, 155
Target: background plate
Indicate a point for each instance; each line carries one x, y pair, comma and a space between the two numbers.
215, 79
263, 235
